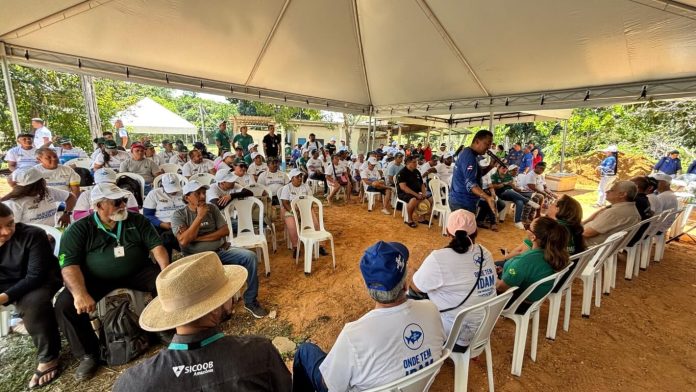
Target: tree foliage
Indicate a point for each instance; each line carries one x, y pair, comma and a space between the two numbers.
281, 114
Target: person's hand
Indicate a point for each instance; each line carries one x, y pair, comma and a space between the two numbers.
224, 200
491, 202
202, 210
64, 220
420, 196
84, 303
165, 225
4, 298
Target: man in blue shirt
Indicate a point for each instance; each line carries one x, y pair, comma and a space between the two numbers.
526, 164
515, 154
466, 181
692, 168
670, 165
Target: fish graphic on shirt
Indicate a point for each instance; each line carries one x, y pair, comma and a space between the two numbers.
414, 337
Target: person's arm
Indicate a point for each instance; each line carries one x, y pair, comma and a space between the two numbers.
12, 165
124, 141
161, 257
187, 235
222, 228
589, 232
501, 286
40, 255
149, 213
64, 219
75, 282
123, 167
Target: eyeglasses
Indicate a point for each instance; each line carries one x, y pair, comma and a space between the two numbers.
118, 202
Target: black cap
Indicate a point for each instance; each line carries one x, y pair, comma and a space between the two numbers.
25, 134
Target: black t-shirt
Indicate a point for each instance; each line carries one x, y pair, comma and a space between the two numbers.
271, 142
643, 207
331, 148
413, 179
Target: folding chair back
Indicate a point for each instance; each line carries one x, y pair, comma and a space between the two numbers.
203, 178
53, 232
170, 168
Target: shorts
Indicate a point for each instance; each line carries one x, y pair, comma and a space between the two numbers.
372, 189
406, 197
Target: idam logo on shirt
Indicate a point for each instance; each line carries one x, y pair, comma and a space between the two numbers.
198, 369
413, 336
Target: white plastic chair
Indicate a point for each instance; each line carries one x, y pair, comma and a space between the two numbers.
611, 264
53, 232
581, 260
491, 309
646, 245
170, 168
157, 182
315, 185
509, 207
263, 193
369, 196
443, 210
203, 178
308, 236
592, 275
5, 316
286, 235
633, 252
522, 321
660, 239
419, 381
246, 237
397, 201
84, 163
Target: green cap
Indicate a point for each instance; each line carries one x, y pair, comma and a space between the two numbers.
147, 144
110, 144
166, 141
181, 148
65, 140
99, 140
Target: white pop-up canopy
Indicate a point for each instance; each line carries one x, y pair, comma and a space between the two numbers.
147, 116
387, 57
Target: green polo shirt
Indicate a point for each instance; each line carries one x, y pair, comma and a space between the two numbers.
526, 269
243, 141
88, 246
224, 139
496, 178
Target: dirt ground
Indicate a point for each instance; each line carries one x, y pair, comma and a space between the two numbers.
642, 338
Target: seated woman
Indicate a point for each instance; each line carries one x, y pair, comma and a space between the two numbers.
337, 177
294, 189
31, 201
458, 276
549, 254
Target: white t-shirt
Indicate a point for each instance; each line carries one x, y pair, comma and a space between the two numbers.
291, 192
122, 132
28, 209
371, 175
191, 168
314, 165
62, 177
23, 158
445, 172
668, 201
355, 166
95, 153
335, 171
39, 135
655, 203
215, 192
523, 181
244, 180
384, 345
425, 167
177, 160
448, 277
163, 203
157, 159
84, 202
166, 156
273, 181
255, 169
114, 160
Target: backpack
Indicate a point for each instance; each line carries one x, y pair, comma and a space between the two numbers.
86, 178
121, 338
133, 186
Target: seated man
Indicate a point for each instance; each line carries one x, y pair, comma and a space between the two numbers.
503, 182
273, 179
294, 189
621, 214
445, 169
642, 205
66, 151
376, 349
226, 161
315, 170
83, 206
337, 177
23, 154
29, 279
533, 186
411, 189
666, 198
138, 164
371, 178
204, 287
151, 154
103, 252
225, 189
429, 167
158, 207
181, 156
197, 164
200, 227
394, 168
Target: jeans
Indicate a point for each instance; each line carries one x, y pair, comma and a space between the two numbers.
305, 369
518, 199
76, 327
530, 213
470, 206
246, 259
36, 309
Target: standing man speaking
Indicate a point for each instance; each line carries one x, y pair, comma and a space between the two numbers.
466, 181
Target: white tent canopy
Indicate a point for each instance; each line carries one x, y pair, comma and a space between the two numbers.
147, 116
387, 57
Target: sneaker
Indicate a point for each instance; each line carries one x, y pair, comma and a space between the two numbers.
385, 212
87, 367
533, 204
256, 310
519, 225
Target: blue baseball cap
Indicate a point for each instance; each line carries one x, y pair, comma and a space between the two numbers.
383, 265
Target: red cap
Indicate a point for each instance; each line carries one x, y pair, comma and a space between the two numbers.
136, 145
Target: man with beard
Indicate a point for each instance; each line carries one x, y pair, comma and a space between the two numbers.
107, 250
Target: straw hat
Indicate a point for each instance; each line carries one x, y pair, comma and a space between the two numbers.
423, 207
189, 289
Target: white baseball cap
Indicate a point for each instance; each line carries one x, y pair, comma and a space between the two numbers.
193, 186
252, 145
333, 139
254, 155
170, 183
394, 143
107, 191
295, 173
372, 161
27, 176
227, 155
512, 167
447, 155
662, 177
225, 175
611, 148
104, 175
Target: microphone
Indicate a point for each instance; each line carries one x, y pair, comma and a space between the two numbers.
496, 159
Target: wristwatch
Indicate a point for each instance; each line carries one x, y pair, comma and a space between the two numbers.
67, 212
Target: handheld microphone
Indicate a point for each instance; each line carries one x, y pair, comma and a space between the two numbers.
496, 159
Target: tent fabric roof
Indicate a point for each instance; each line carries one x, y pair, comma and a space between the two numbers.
147, 116
419, 56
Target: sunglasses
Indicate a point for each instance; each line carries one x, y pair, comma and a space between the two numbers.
119, 202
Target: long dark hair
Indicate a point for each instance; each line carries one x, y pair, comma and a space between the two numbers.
106, 156
569, 214
553, 239
461, 243
38, 189
615, 154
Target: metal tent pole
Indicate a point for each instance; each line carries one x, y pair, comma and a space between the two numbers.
87, 84
490, 121
11, 103
563, 145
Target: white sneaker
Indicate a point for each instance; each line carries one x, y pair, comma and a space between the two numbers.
385, 212
533, 204
519, 225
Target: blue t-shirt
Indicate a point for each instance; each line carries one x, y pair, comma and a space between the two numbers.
668, 165
608, 166
467, 175
526, 162
692, 168
515, 157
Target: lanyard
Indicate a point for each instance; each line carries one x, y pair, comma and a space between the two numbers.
116, 236
195, 345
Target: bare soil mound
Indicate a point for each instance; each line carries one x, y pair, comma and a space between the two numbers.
630, 165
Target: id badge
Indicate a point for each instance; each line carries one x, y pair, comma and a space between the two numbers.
119, 251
